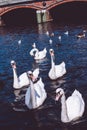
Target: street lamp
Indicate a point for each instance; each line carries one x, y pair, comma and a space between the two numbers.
44, 3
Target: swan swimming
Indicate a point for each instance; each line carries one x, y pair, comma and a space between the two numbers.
81, 35
59, 37
66, 33
35, 94
19, 42
72, 108
50, 41
47, 33
38, 55
22, 80
56, 71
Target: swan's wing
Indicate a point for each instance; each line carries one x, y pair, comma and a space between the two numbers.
60, 69
42, 52
45, 50
79, 95
28, 98
61, 65
75, 105
23, 79
36, 72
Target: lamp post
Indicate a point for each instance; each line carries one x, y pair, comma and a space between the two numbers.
44, 3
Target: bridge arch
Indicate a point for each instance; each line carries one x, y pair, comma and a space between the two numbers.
62, 2
19, 15
69, 11
11, 8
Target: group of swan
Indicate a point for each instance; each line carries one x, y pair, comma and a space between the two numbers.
71, 109
35, 94
55, 72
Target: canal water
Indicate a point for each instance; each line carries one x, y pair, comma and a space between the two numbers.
14, 115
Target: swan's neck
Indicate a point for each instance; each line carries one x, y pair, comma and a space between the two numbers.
33, 98
64, 116
36, 51
52, 62
15, 79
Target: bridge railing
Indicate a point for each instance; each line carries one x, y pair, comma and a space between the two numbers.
9, 2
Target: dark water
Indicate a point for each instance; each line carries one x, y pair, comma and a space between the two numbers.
14, 115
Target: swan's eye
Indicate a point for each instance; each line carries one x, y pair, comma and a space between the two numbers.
30, 74
12, 63
51, 50
59, 92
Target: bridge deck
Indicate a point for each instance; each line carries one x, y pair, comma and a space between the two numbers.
10, 2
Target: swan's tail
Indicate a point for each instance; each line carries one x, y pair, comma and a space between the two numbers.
45, 50
64, 66
76, 92
79, 95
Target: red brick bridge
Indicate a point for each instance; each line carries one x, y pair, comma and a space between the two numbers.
42, 8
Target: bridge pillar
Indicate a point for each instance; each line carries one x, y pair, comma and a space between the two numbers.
43, 16
1, 22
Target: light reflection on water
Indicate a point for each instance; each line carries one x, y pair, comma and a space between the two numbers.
13, 112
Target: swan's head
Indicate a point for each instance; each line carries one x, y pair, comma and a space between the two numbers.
52, 34
30, 74
51, 51
59, 93
34, 45
13, 64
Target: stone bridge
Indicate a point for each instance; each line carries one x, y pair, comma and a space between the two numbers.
42, 8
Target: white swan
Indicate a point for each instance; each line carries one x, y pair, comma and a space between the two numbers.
66, 33
50, 41
22, 80
38, 55
34, 50
19, 42
52, 34
72, 108
59, 37
56, 71
47, 33
35, 94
